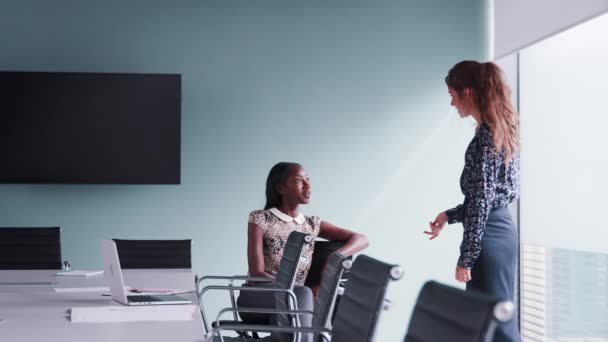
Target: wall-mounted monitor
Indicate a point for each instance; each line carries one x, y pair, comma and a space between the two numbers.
90, 128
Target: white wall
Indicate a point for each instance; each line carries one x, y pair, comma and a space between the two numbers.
520, 23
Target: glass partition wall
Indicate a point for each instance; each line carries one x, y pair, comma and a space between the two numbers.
563, 103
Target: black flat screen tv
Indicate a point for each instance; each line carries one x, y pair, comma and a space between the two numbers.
90, 128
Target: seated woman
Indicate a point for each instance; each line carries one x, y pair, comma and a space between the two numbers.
287, 186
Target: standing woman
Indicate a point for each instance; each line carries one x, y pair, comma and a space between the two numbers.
489, 182
287, 187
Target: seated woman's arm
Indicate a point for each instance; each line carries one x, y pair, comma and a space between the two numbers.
355, 242
255, 251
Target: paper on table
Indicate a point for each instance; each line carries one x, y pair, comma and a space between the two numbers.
132, 313
85, 289
28, 283
78, 273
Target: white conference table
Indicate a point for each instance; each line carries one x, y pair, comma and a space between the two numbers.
38, 313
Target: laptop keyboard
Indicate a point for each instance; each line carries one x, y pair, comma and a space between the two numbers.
144, 298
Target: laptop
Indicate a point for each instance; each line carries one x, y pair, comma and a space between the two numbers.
113, 276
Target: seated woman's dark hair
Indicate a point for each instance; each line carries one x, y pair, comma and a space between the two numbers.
278, 175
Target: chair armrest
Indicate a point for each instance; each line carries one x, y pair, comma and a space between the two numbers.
323, 332
246, 288
260, 310
232, 279
290, 293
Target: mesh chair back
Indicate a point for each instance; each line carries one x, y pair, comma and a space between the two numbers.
444, 312
288, 269
30, 248
329, 289
323, 250
147, 254
360, 306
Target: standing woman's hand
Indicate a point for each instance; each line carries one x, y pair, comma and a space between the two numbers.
437, 225
463, 274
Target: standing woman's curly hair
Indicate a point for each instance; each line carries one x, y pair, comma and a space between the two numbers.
493, 98
278, 175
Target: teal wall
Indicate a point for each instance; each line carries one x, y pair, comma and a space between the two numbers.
352, 89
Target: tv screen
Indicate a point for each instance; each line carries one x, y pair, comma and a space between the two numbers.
90, 128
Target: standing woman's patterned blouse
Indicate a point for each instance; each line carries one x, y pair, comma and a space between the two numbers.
486, 184
277, 226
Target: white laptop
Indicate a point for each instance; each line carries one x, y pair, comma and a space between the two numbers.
113, 275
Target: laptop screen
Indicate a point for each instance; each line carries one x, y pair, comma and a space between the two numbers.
112, 272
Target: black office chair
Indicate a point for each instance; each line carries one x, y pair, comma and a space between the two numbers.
30, 248
363, 300
321, 314
284, 280
445, 313
356, 317
326, 300
322, 251
324, 304
148, 254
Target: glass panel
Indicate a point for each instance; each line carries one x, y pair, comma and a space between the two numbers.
564, 125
